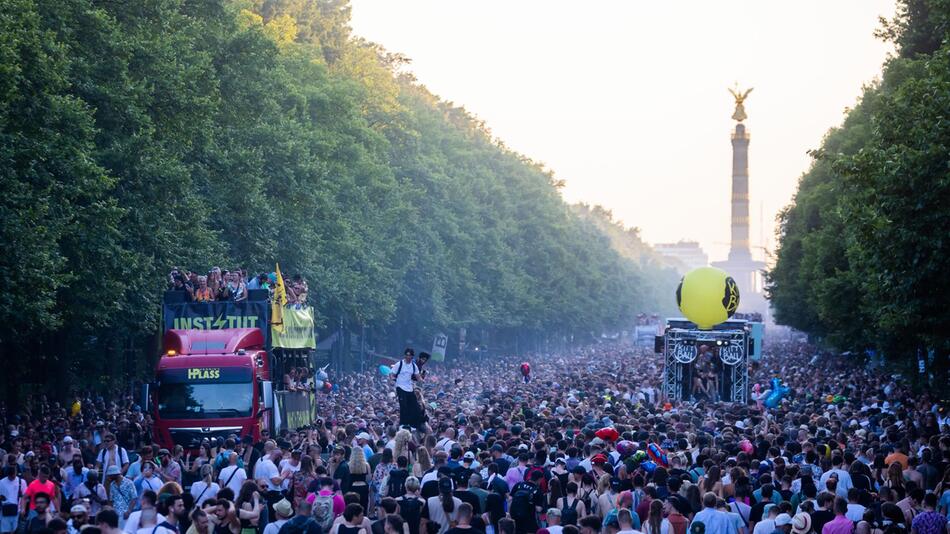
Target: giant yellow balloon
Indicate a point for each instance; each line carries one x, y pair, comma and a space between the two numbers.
707, 296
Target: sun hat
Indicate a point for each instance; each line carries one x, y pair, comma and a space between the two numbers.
284, 508
783, 519
801, 523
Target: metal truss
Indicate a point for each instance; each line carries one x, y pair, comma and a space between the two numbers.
680, 348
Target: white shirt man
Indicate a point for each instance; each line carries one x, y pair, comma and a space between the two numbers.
266, 470
12, 489
135, 518
844, 481
446, 442
404, 372
202, 491
767, 525
288, 467
232, 476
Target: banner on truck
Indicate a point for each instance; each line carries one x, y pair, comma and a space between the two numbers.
296, 332
216, 315
295, 409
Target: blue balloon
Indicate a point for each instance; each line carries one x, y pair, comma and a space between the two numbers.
385, 370
775, 396
336, 388
649, 466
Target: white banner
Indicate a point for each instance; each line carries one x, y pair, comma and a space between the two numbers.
438, 347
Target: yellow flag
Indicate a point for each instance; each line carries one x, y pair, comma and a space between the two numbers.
278, 303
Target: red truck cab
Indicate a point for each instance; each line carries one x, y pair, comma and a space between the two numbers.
211, 384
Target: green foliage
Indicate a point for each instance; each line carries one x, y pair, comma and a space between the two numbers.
863, 247
145, 134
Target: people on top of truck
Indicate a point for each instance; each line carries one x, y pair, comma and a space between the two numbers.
232, 285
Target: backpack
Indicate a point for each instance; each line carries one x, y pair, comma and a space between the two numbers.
121, 455
323, 511
588, 501
396, 487
569, 513
298, 526
222, 461
411, 511
522, 501
543, 482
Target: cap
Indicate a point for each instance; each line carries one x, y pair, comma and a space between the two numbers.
608, 434
78, 509
445, 485
364, 435
783, 519
598, 459
522, 447
113, 470
468, 456
163, 452
284, 508
801, 523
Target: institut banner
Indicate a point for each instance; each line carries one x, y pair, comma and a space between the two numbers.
216, 315
296, 331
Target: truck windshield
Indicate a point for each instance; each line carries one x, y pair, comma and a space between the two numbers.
204, 392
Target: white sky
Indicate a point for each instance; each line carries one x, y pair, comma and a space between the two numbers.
627, 101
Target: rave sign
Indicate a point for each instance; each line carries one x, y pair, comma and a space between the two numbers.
438, 347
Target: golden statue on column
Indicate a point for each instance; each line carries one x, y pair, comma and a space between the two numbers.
739, 113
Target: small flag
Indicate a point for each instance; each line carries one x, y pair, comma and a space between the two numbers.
278, 303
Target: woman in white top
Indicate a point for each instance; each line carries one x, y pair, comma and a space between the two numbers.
606, 498
206, 488
148, 480
442, 509
656, 523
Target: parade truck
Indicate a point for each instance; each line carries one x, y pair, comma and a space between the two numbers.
719, 356
221, 370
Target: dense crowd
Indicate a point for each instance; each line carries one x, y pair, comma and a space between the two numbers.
232, 285
585, 446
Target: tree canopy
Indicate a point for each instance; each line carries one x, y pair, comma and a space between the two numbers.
864, 245
145, 134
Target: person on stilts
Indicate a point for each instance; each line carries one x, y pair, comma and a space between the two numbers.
404, 373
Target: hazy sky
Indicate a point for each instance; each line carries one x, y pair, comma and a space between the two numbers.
627, 100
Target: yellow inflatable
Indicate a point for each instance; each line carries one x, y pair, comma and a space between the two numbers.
707, 296
75, 409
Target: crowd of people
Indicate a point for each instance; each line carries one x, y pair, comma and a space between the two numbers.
587, 446
232, 285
